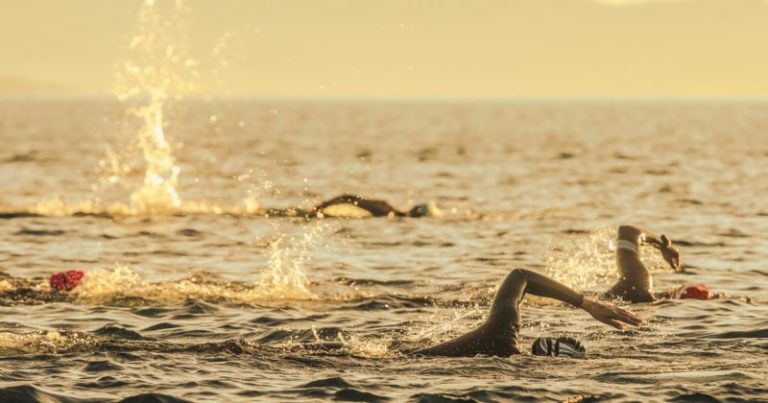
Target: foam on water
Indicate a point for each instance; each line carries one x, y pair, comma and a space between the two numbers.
286, 273
6, 286
56, 207
42, 342
284, 279
367, 346
125, 287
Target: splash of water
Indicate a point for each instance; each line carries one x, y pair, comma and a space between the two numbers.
158, 72
445, 324
6, 286
286, 272
161, 176
284, 278
369, 347
48, 342
584, 262
123, 286
589, 262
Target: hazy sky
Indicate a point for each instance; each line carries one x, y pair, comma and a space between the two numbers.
429, 48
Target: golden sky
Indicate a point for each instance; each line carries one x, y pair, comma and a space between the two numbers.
408, 48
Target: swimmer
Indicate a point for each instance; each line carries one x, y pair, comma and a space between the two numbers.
498, 336
377, 208
31, 291
635, 283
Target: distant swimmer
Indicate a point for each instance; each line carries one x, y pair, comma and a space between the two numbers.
498, 336
371, 207
635, 283
15, 290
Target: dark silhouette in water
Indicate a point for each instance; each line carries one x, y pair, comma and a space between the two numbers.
635, 283
377, 208
498, 336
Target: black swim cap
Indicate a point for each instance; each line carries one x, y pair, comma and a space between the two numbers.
550, 346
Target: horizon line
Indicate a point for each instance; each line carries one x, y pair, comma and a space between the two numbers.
403, 98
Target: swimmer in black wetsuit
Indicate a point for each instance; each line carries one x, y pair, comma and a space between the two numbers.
635, 283
377, 208
498, 336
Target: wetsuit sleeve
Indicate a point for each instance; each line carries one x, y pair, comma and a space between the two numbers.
635, 283
504, 318
349, 199
541, 285
377, 208
518, 283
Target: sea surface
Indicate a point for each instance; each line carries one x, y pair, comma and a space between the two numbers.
202, 298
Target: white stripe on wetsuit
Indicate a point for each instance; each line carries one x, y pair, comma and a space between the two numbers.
627, 245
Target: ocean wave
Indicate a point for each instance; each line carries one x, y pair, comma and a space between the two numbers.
34, 394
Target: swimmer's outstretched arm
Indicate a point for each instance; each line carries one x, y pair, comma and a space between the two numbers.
522, 281
637, 235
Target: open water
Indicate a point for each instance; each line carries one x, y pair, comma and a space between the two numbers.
195, 295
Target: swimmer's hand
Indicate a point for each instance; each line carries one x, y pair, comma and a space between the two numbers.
609, 314
670, 253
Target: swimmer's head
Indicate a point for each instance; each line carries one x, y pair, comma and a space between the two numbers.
419, 210
561, 346
66, 281
424, 210
697, 291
